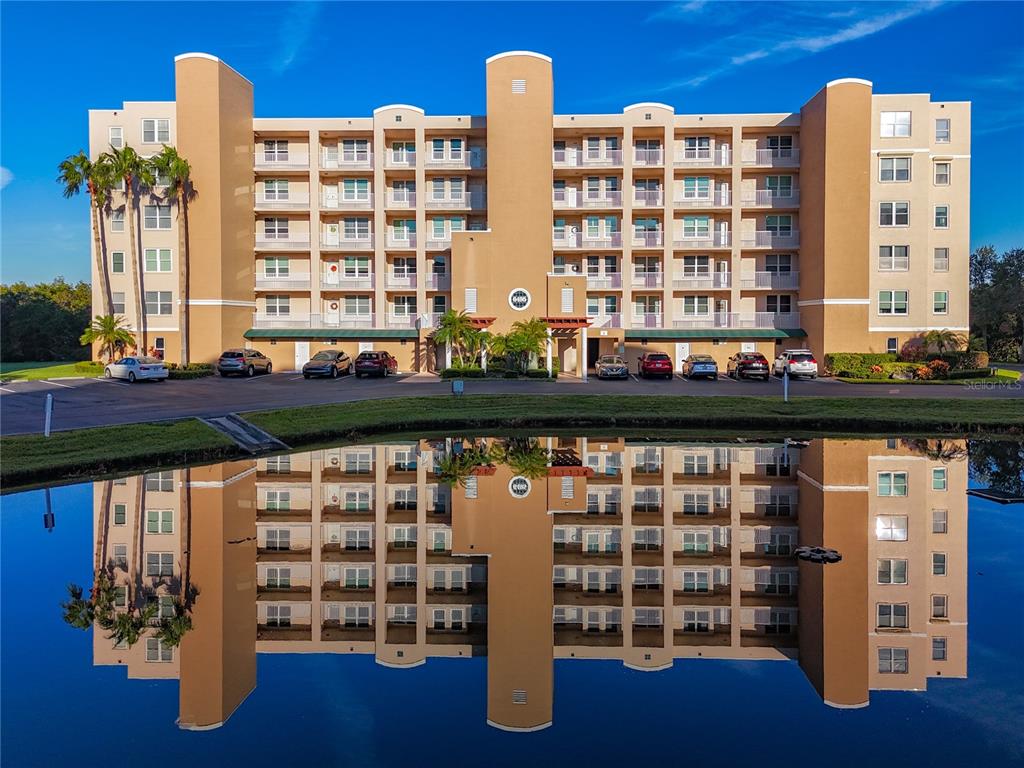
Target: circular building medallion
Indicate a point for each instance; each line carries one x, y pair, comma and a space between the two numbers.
519, 299
519, 487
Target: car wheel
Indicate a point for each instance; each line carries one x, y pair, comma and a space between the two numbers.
270, 368
305, 376
131, 377
359, 375
334, 372
106, 373
223, 374
250, 371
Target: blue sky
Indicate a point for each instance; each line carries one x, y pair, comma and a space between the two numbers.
341, 59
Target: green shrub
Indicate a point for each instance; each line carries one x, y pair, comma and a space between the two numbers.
539, 373
1005, 349
189, 373
855, 364
971, 373
90, 367
510, 375
462, 373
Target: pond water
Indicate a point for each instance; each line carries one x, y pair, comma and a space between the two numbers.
498, 601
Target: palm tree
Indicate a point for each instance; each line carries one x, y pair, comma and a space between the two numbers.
526, 457
455, 328
129, 626
128, 166
534, 335
77, 171
525, 341
111, 334
172, 630
177, 170
944, 339
78, 612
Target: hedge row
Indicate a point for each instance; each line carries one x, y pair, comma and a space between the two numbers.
478, 373
190, 371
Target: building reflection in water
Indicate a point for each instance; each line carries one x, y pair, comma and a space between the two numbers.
530, 550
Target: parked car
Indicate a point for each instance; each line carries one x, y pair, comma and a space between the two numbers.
244, 362
798, 362
611, 367
695, 366
375, 364
328, 362
747, 365
139, 368
654, 364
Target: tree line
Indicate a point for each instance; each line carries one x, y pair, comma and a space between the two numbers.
44, 321
997, 302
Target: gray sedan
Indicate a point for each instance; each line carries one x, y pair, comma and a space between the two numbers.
697, 366
611, 367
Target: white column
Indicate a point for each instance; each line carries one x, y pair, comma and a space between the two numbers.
448, 355
483, 358
583, 362
549, 351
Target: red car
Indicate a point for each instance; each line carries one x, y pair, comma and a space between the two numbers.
375, 364
654, 364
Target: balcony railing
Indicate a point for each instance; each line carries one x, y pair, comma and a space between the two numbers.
281, 161
289, 201
613, 320
719, 198
571, 198
581, 158
718, 239
648, 279
465, 200
294, 242
647, 198
401, 239
648, 156
740, 320
295, 281
394, 159
402, 321
347, 203
780, 280
356, 161
607, 280
312, 321
769, 198
706, 280
704, 157
771, 158
403, 200
435, 282
474, 158
336, 281
347, 243
566, 238
397, 280
646, 320
771, 239
437, 242
647, 238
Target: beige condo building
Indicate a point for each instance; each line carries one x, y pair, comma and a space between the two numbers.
843, 226
639, 551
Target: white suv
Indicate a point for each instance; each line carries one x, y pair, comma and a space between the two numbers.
798, 362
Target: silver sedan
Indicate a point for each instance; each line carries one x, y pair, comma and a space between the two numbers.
136, 369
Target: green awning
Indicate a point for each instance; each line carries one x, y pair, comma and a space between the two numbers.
715, 333
331, 333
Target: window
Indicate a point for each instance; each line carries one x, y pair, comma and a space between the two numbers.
279, 539
356, 267
891, 527
355, 150
892, 616
782, 304
276, 150
120, 597
279, 501
892, 571
696, 581
117, 262
275, 229
115, 136
942, 217
892, 302
940, 607
279, 615
355, 189
697, 187
940, 302
357, 615
159, 563
893, 214
159, 521
160, 481
892, 345
942, 171
892, 661
779, 225
895, 124
156, 651
117, 220
892, 483
697, 620
940, 521
939, 479
357, 578
158, 259
942, 130
781, 146
893, 258
696, 226
470, 299
156, 217
156, 130
117, 298
275, 267
696, 541
780, 186
894, 169
120, 556
938, 649
779, 544
938, 563
278, 305
405, 536
279, 578
158, 302
696, 305
275, 189
404, 306
356, 229
120, 513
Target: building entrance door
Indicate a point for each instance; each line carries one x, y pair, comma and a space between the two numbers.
301, 354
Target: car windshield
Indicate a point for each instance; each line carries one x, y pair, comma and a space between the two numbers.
703, 359
758, 358
801, 358
657, 357
150, 360
233, 355
611, 360
369, 356
325, 355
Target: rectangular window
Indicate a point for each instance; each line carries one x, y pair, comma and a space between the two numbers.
356, 229
275, 267
278, 305
779, 225
892, 345
940, 302
470, 299
940, 607
942, 130
156, 130
894, 169
158, 259
156, 217
940, 521
892, 616
891, 571
696, 305
157, 652
357, 305
275, 229
938, 649
117, 263
892, 483
893, 258
895, 124
780, 186
276, 150
158, 302
940, 260
941, 216
117, 220
121, 555
160, 481
938, 563
893, 214
891, 528
942, 171
279, 615
782, 304
159, 521
115, 136
939, 479
892, 302
893, 661
159, 564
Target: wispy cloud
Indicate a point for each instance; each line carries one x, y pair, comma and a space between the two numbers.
297, 28
792, 31
6, 177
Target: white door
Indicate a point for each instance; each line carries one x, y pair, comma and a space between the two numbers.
332, 273
332, 312
682, 352
331, 234
330, 196
301, 354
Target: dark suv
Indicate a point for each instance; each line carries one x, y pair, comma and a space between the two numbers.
375, 364
244, 362
327, 362
746, 365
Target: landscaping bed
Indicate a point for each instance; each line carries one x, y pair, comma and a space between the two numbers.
497, 373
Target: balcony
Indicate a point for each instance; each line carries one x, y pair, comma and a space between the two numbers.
702, 240
402, 159
296, 242
572, 198
648, 198
704, 157
347, 203
613, 320
648, 157
355, 161
648, 279
788, 281
772, 158
282, 201
771, 239
401, 200
567, 238
703, 281
609, 280
770, 198
292, 282
401, 239
472, 200
432, 319
312, 321
647, 238
334, 243
436, 282
474, 158
719, 198
336, 281
281, 161
439, 242
401, 321
580, 158
646, 320
398, 280
738, 320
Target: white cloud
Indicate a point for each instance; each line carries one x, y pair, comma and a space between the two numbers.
297, 28
6, 177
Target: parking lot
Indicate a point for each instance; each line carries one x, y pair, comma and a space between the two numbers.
100, 402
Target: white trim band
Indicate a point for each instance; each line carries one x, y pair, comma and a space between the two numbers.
646, 104
837, 488
221, 303
896, 329
898, 150
506, 54
399, 106
222, 483
842, 80
827, 302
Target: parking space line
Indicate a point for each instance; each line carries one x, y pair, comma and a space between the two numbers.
58, 384
295, 378
633, 377
5, 389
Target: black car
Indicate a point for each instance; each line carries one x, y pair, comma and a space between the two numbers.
747, 365
328, 362
244, 362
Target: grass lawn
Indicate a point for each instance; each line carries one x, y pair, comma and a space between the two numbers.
84, 453
33, 371
1001, 376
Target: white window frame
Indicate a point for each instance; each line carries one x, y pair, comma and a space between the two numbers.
156, 217
887, 166
159, 262
160, 130
895, 124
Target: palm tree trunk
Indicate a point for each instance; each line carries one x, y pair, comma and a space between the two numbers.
183, 268
135, 572
102, 529
101, 255
139, 286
